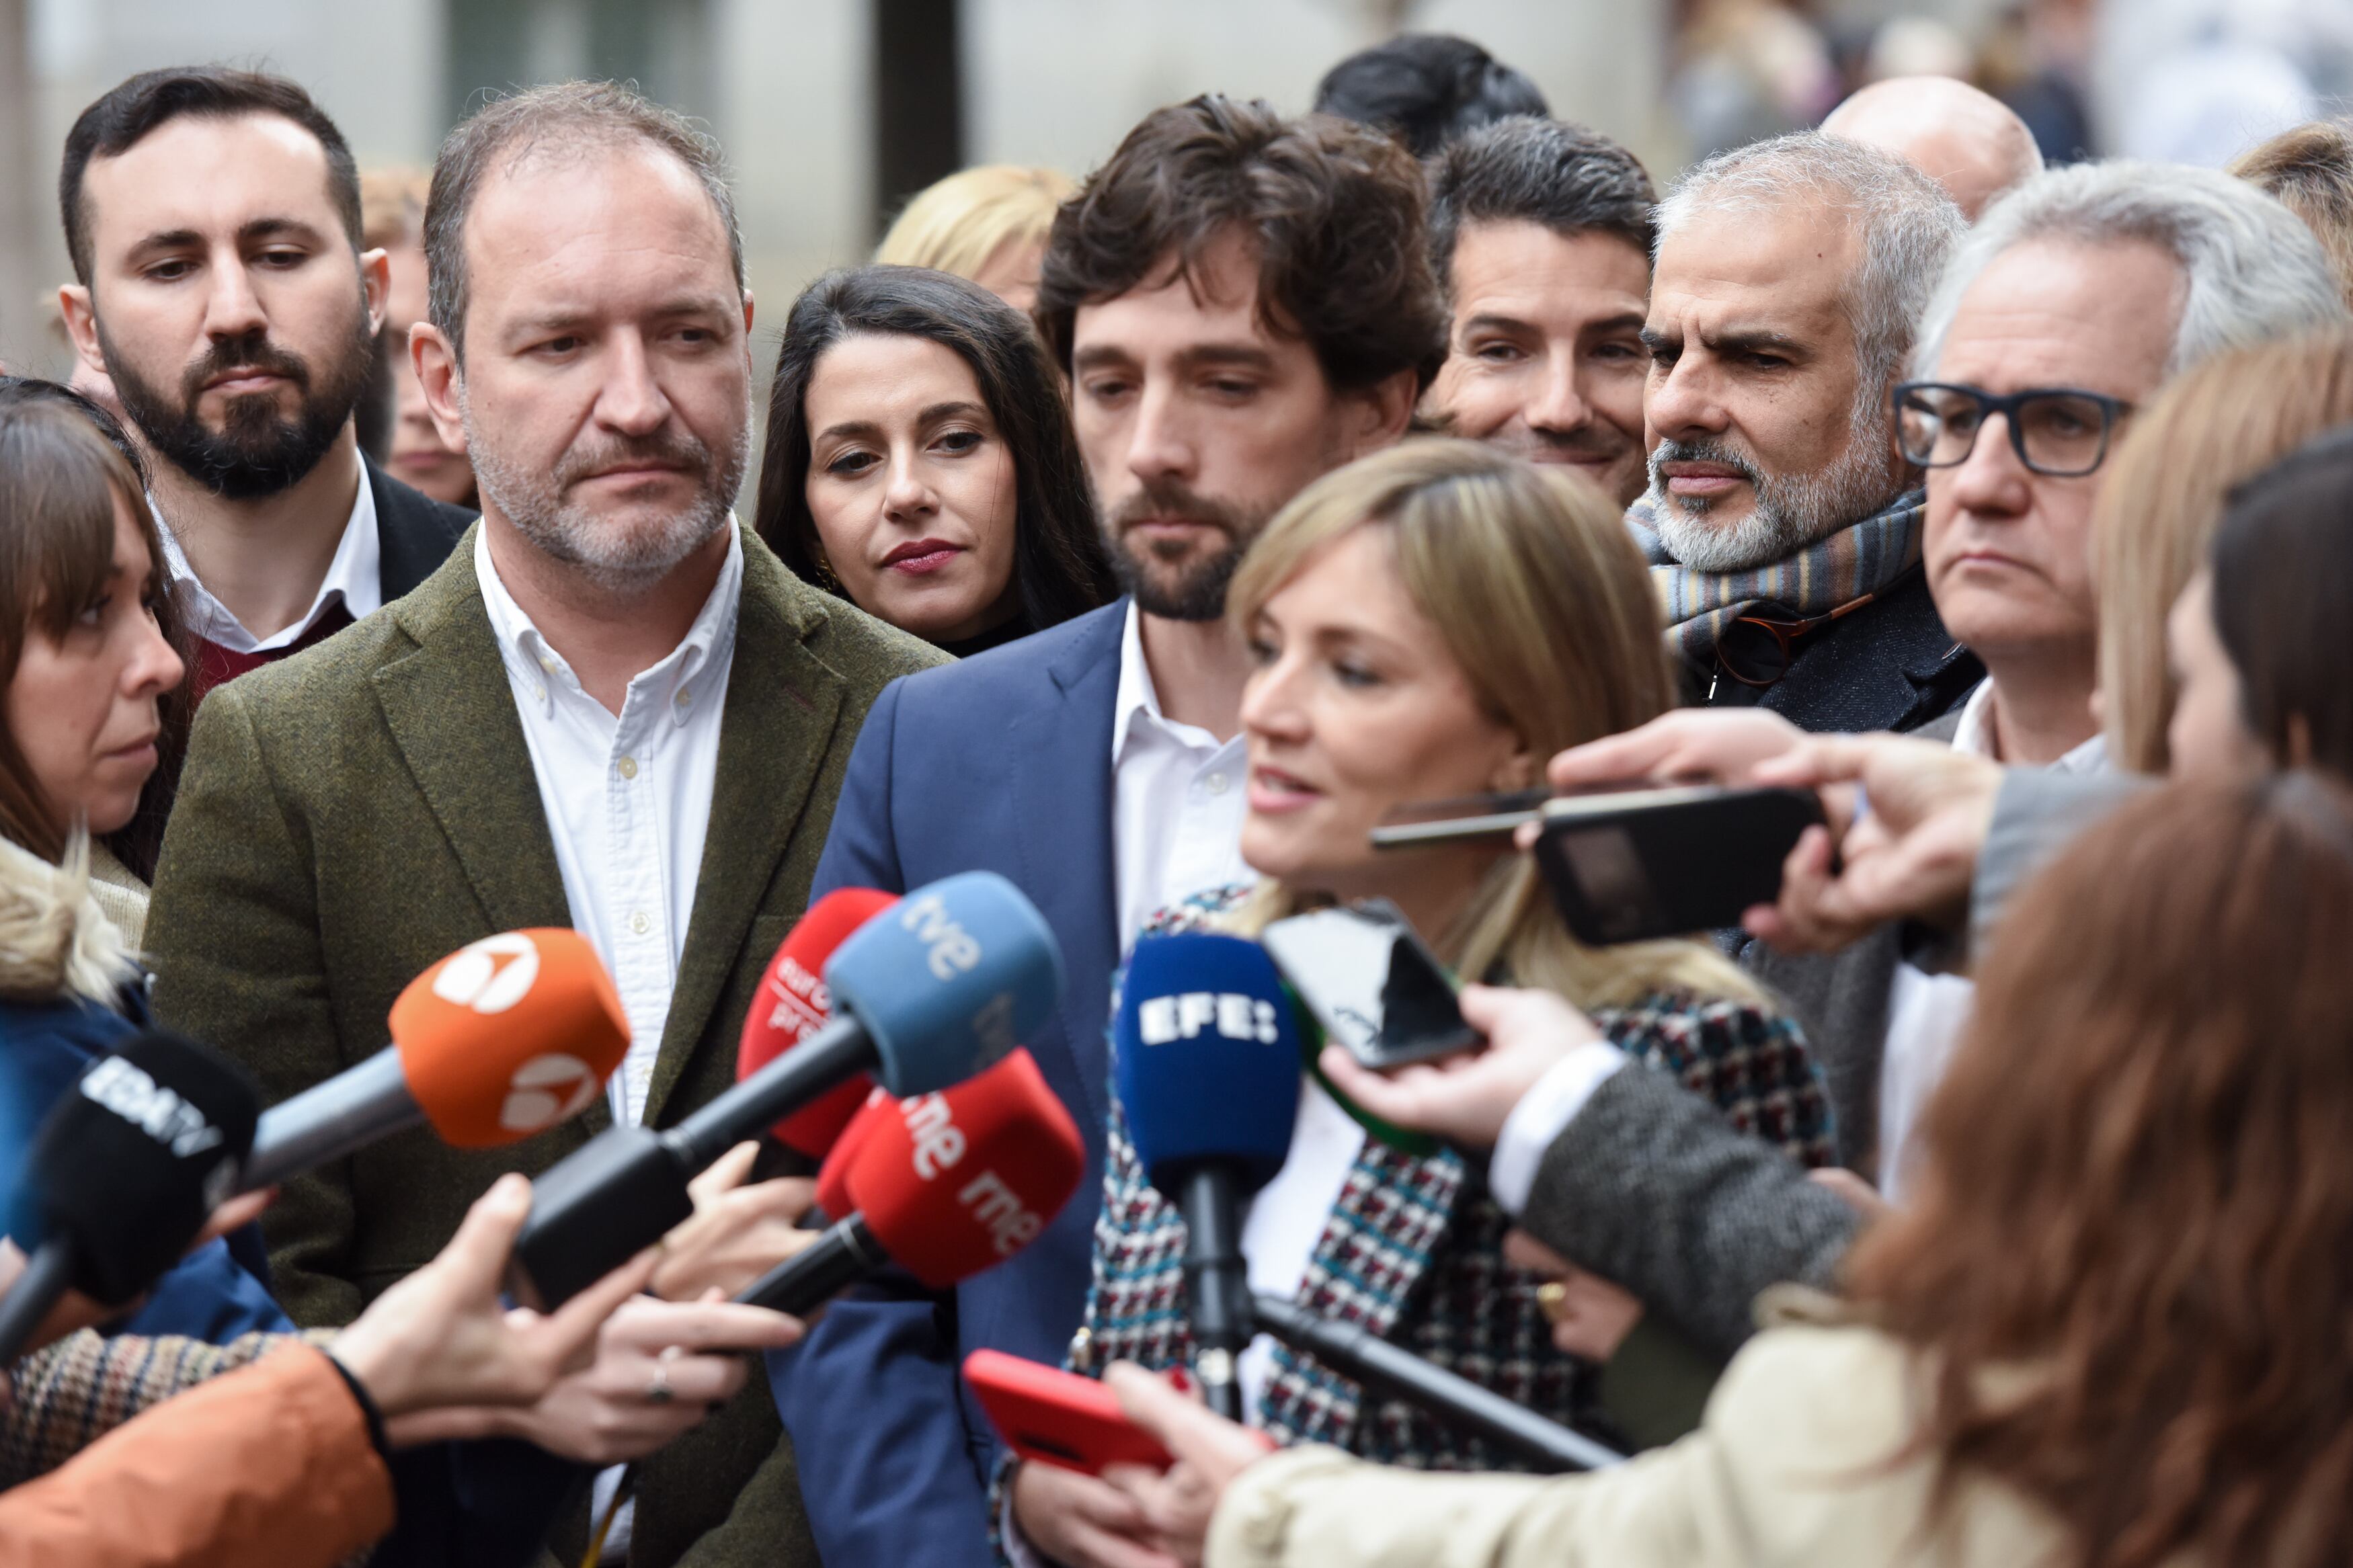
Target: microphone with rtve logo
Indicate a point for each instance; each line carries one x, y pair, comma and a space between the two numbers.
946, 1184
794, 1002
505, 1037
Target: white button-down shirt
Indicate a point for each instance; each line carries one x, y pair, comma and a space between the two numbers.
1178, 799
628, 797
353, 580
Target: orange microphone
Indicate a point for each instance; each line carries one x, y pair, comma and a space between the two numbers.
793, 1004
505, 1037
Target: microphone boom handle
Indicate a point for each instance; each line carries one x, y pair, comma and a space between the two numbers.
350, 1110
846, 1253
811, 1070
1364, 1357
46, 1276
1216, 1286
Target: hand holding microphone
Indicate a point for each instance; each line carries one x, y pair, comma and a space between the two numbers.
738, 1230
942, 984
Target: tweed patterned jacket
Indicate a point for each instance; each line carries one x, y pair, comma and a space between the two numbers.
69, 1395
1414, 1248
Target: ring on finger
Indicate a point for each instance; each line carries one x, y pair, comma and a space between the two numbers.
660, 1391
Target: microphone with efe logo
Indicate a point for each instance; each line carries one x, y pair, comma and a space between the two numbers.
504, 1038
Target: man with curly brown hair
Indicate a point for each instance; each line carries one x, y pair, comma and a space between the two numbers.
1243, 302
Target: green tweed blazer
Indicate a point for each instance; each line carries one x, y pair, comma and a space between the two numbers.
354, 812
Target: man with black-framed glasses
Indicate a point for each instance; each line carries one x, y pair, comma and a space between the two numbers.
2068, 306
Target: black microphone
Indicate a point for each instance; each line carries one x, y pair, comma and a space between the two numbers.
1357, 1354
127, 1167
1208, 1080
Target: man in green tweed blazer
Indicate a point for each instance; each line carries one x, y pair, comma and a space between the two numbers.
353, 814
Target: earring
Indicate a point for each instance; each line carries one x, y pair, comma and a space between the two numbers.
826, 578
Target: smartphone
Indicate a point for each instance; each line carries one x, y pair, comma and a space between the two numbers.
1371, 982
1058, 1417
1634, 865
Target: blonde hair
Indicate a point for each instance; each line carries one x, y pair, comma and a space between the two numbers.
2309, 168
956, 224
1541, 596
392, 206
2216, 424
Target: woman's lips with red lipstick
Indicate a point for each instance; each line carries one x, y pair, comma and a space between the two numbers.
922, 555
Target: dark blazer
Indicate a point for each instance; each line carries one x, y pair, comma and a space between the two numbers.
413, 532
1001, 763
1651, 1187
354, 812
1840, 999
1890, 665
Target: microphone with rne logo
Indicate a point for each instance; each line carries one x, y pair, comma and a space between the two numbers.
505, 1037
123, 1173
1207, 1069
793, 1004
946, 1184
942, 984
833, 1198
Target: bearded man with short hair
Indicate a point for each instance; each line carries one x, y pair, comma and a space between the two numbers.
1784, 527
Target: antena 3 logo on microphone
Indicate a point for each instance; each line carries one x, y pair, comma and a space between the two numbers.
509, 1036
964, 970
490, 975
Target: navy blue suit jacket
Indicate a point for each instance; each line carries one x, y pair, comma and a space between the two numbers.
1001, 763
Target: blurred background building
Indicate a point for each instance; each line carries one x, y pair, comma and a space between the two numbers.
833, 111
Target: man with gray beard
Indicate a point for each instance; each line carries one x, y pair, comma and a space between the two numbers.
1783, 526
549, 731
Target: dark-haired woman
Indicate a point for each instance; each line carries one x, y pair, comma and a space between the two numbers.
921, 463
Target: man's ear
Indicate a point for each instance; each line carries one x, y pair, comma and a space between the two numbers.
375, 286
81, 325
437, 372
1383, 411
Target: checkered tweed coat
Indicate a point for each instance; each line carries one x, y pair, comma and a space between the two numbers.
1414, 1247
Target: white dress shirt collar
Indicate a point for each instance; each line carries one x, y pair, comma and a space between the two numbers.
1974, 735
355, 579
1138, 700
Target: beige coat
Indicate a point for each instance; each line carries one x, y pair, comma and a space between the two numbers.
1791, 1468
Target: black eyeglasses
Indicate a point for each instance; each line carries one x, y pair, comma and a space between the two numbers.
2055, 430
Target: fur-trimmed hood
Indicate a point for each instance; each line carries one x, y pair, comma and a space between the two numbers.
54, 942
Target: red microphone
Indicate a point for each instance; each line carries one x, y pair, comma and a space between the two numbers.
946, 1185
833, 1177
793, 1004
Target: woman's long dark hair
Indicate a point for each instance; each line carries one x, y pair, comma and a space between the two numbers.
1060, 563
64, 455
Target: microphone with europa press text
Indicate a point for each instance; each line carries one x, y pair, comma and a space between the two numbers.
1209, 1080
505, 1037
127, 1167
793, 1004
1356, 1353
944, 1185
942, 984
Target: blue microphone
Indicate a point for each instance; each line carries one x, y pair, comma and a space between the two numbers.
1209, 1078
933, 989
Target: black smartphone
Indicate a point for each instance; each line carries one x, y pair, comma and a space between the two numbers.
1371, 982
1639, 864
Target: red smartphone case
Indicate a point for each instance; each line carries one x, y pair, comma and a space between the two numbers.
1058, 1417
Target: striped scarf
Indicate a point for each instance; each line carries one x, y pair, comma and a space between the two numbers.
1859, 559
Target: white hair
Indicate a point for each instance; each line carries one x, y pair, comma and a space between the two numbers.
1907, 224
2254, 271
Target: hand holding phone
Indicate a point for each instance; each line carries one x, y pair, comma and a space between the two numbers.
1057, 1417
1371, 982
1466, 1099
